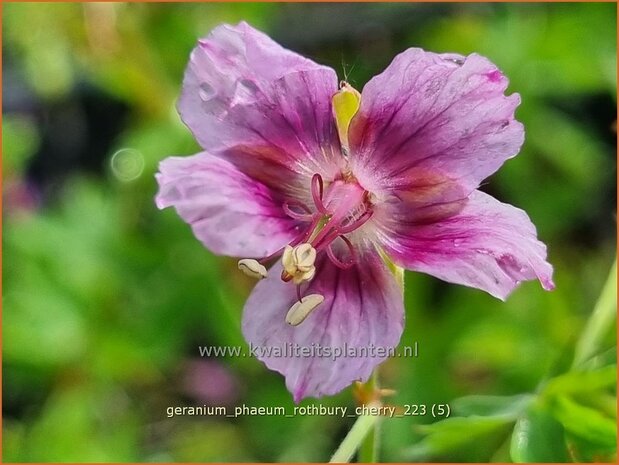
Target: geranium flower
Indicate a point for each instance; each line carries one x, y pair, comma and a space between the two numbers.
344, 188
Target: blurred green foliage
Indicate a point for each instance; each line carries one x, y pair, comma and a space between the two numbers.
106, 299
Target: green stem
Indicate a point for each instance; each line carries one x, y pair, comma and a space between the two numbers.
600, 321
355, 437
368, 453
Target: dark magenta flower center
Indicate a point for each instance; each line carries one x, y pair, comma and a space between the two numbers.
339, 209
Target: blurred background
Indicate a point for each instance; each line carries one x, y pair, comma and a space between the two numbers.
106, 299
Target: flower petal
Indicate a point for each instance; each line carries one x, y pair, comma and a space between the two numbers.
265, 108
363, 307
444, 114
229, 212
488, 245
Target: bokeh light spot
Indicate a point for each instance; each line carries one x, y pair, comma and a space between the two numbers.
127, 164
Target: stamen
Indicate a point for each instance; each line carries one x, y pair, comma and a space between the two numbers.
287, 259
298, 263
252, 268
301, 310
305, 256
348, 209
299, 298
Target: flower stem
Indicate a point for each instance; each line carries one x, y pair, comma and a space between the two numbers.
368, 453
600, 321
355, 437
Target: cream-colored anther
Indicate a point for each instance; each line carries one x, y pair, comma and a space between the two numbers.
301, 310
252, 268
299, 262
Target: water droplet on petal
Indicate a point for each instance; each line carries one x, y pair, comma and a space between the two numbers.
456, 59
249, 85
206, 92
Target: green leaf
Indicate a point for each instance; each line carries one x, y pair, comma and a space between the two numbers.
601, 322
582, 381
20, 140
509, 407
84, 423
608, 357
208, 442
585, 422
538, 437
584, 451
474, 438
13, 441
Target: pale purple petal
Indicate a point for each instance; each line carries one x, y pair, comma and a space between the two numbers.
440, 114
488, 245
363, 307
265, 108
229, 212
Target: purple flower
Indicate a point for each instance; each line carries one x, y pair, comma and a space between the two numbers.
346, 187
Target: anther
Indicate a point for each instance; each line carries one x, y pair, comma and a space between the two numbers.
301, 310
298, 263
252, 268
